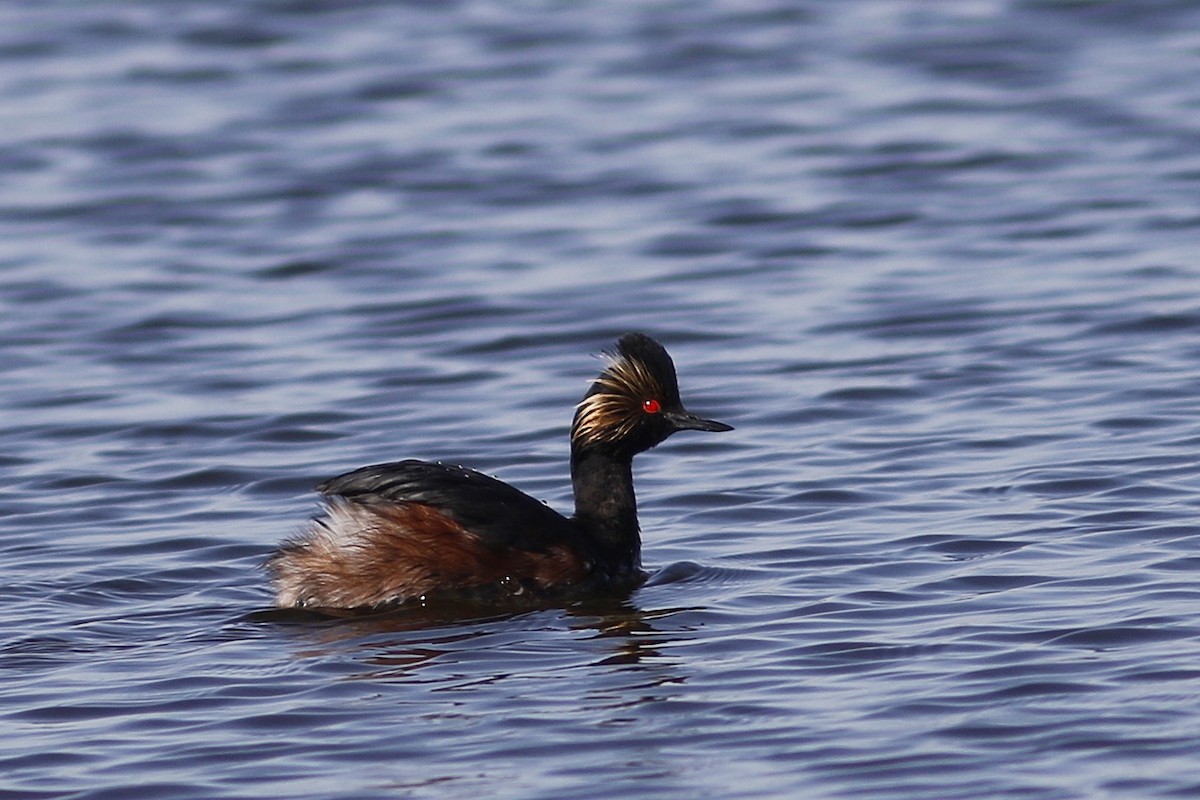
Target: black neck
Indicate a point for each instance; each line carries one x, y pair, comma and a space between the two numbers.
605, 506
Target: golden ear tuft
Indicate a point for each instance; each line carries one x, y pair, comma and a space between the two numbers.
614, 406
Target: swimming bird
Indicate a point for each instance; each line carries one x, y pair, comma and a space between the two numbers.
415, 530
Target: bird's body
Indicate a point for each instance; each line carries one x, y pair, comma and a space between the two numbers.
412, 529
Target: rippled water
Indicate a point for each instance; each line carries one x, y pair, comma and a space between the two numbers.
936, 262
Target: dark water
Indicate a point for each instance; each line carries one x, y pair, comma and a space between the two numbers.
936, 262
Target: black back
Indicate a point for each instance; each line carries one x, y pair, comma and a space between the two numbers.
500, 514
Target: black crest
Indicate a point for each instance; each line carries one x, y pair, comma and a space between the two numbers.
615, 408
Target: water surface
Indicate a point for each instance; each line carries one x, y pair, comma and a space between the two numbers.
936, 262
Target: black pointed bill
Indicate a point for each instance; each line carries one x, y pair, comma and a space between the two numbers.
687, 421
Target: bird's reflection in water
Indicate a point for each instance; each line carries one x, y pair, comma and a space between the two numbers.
399, 643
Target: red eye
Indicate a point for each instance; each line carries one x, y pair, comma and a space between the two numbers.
652, 406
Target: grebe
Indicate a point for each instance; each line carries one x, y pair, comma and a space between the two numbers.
407, 530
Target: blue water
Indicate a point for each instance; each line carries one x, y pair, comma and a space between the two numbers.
936, 261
